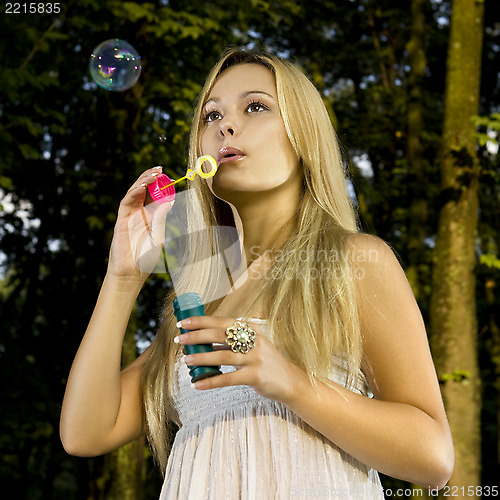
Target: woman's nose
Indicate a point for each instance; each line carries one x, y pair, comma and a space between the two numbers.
227, 131
228, 128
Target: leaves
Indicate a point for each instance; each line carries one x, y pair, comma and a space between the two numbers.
490, 260
460, 376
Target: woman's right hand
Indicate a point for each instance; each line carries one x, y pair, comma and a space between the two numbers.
139, 233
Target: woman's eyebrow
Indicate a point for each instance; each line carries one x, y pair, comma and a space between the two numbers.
246, 94
242, 96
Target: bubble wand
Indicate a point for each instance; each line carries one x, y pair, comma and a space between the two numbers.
156, 189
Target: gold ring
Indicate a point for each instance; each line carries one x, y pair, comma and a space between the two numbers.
240, 337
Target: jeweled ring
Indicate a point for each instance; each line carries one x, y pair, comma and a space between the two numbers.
240, 337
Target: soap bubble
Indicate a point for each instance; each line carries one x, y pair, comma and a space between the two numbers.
115, 65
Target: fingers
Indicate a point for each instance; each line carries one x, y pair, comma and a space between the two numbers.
212, 330
220, 356
137, 192
207, 336
240, 376
224, 380
217, 358
200, 322
135, 199
158, 215
147, 177
208, 329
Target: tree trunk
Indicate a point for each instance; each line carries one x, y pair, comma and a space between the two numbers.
453, 306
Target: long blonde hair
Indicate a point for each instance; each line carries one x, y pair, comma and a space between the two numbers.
309, 297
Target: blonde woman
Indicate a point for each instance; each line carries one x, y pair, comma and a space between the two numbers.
339, 382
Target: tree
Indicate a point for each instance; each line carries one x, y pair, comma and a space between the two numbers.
453, 304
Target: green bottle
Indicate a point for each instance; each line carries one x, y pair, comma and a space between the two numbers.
187, 305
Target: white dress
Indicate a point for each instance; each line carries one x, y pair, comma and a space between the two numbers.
234, 444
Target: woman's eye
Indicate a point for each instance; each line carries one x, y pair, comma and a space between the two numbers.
256, 107
212, 116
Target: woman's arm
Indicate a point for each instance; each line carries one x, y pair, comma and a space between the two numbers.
102, 407
403, 430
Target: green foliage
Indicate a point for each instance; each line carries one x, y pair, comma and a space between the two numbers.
490, 260
490, 123
456, 376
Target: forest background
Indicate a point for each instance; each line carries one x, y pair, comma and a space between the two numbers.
413, 90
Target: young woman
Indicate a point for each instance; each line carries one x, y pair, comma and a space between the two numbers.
339, 382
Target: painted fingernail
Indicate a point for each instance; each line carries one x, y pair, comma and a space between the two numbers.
176, 339
155, 174
143, 185
158, 167
182, 323
188, 359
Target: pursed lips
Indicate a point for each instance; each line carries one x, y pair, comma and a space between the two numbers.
229, 154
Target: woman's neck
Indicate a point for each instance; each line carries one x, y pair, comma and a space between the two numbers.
263, 227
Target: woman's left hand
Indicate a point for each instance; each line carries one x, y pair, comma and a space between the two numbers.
263, 367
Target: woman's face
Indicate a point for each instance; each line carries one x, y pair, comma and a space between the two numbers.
243, 130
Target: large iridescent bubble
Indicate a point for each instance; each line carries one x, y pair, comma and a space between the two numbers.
115, 65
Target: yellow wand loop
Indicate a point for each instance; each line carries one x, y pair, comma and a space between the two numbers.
197, 170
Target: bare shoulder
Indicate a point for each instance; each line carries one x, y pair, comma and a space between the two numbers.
383, 289
363, 247
395, 344
377, 269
